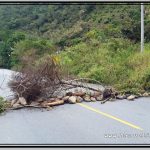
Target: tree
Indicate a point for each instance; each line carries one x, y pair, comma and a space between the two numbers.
6, 47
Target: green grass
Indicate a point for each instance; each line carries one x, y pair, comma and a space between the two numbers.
116, 62
2, 105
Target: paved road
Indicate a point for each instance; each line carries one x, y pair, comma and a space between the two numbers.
120, 122
75, 124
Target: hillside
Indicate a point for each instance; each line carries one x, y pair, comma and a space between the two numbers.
52, 20
100, 41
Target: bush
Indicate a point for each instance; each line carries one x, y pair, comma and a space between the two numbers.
118, 63
139, 66
29, 48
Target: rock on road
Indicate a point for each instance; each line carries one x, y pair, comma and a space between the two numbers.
75, 124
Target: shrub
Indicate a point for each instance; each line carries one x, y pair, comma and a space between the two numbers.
118, 63
29, 48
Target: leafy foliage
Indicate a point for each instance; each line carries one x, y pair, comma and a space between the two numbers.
96, 41
28, 49
117, 63
6, 47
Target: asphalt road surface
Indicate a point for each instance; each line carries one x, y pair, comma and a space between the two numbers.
119, 122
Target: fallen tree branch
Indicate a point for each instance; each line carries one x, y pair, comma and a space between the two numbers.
78, 85
87, 79
59, 102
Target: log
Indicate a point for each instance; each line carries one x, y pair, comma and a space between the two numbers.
57, 102
78, 85
79, 94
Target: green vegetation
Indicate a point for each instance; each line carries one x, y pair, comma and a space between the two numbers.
29, 50
101, 42
117, 63
2, 105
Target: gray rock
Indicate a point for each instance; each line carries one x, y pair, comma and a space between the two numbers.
79, 99
99, 98
72, 99
121, 97
93, 99
87, 98
22, 101
131, 97
146, 94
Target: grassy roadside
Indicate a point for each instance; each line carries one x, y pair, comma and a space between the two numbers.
116, 62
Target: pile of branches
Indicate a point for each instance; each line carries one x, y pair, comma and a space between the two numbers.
42, 83
36, 81
44, 80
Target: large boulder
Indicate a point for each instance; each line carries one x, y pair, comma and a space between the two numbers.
22, 101
72, 99
5, 76
131, 97
79, 99
87, 98
93, 99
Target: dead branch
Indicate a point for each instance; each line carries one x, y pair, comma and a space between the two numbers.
36, 81
86, 80
59, 102
78, 85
